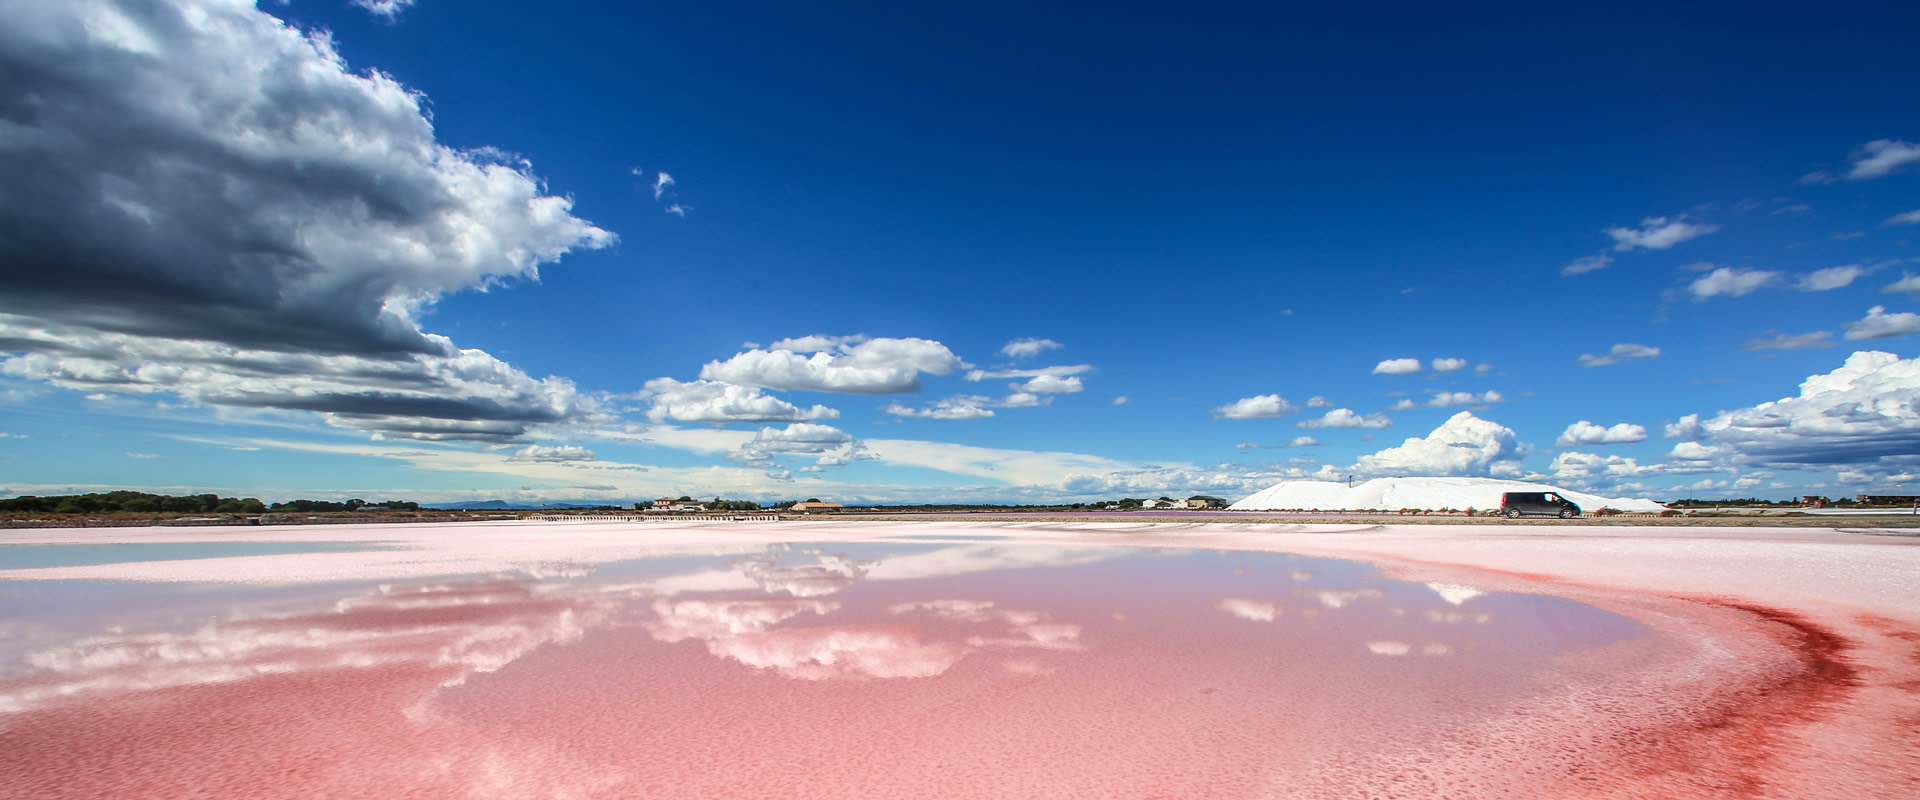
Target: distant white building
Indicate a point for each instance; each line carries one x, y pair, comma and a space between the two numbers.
668, 504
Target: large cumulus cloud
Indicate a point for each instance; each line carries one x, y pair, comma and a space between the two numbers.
196, 177
1464, 445
1864, 414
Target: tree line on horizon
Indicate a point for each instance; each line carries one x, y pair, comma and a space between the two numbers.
131, 502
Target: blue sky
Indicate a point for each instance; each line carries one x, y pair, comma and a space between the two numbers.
447, 251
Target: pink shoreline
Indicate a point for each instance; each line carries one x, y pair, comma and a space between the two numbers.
1820, 699
1779, 663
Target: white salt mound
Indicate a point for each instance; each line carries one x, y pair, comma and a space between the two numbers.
1430, 494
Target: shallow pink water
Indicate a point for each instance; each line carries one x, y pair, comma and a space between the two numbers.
953, 671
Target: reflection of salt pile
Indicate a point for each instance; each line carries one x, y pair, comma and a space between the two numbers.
1428, 494
1454, 593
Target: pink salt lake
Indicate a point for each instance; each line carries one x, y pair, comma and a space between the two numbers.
954, 667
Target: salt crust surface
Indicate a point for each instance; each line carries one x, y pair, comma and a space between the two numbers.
1779, 663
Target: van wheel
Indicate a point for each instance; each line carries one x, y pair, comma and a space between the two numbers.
1566, 513
1513, 513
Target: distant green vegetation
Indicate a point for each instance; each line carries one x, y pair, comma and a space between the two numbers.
142, 503
1746, 502
131, 502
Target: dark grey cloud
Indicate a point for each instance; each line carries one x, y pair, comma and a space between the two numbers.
198, 198
229, 179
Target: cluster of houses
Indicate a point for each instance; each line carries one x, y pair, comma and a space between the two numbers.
667, 505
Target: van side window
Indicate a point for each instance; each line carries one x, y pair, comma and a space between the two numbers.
1552, 498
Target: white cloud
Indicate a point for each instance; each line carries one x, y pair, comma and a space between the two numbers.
1318, 401
660, 185
1619, 353
1596, 471
1584, 432
1597, 261
968, 406
1449, 400
1464, 445
1256, 407
1028, 348
1452, 399
144, 456
1687, 428
1346, 418
552, 455
679, 210
1397, 366
1449, 364
1305, 441
384, 8
1658, 233
1830, 278
1036, 372
1731, 282
963, 407
799, 438
1804, 341
1695, 451
1024, 400
874, 366
1882, 157
1864, 414
814, 343
1908, 283
712, 401
1878, 324
1909, 218
1050, 384
1120, 401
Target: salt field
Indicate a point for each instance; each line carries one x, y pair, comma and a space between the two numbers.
1072, 659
